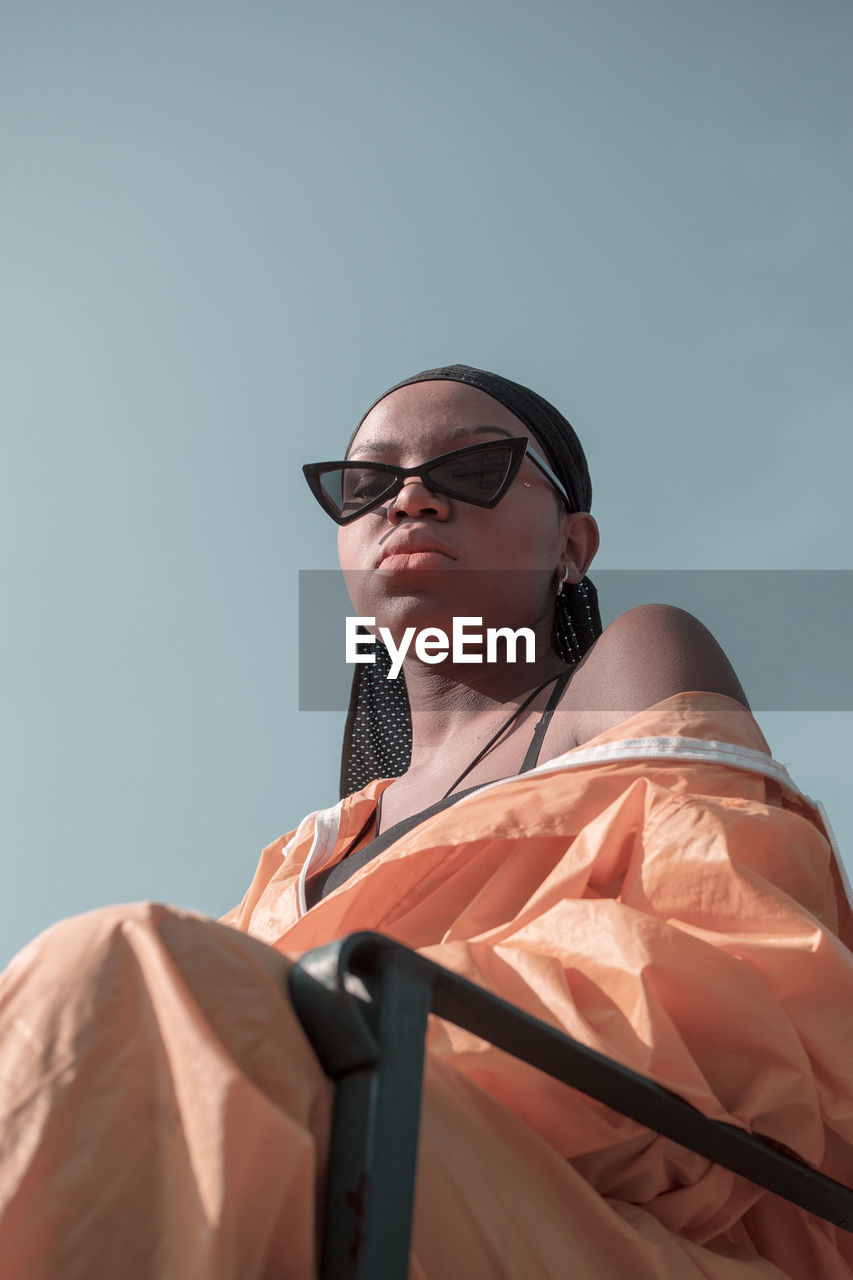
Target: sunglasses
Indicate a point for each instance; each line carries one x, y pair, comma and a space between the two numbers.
479, 474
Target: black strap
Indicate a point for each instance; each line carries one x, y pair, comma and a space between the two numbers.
322, 883
532, 757
500, 733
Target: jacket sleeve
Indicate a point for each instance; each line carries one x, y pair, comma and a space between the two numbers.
709, 963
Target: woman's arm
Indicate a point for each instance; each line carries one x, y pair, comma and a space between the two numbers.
648, 654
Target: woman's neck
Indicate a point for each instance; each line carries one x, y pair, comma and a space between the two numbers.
465, 702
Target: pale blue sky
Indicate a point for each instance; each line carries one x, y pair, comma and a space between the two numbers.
226, 228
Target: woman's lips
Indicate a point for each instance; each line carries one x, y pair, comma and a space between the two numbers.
406, 561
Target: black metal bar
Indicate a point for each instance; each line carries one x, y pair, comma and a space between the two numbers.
365, 998
377, 1065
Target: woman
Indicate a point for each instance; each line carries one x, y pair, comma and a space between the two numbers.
624, 860
522, 563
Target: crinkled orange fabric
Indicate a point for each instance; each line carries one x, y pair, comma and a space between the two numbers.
164, 1116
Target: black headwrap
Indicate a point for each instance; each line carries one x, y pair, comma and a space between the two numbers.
378, 734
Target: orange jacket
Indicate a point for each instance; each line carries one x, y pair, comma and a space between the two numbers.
664, 894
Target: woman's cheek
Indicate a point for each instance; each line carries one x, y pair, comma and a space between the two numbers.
353, 554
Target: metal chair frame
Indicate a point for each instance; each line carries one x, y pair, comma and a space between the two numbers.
364, 1002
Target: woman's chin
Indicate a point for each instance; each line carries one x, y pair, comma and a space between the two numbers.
414, 608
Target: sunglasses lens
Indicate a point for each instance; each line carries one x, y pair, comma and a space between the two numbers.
477, 476
348, 489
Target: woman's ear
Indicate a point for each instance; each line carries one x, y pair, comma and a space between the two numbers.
580, 543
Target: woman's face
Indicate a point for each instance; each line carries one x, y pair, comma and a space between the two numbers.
500, 563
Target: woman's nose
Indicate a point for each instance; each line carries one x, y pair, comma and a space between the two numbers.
415, 498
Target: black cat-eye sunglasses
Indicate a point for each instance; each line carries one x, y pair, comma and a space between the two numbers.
479, 473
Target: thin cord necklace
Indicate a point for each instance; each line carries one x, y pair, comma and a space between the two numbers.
494, 738
376, 814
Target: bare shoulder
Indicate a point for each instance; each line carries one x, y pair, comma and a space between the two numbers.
648, 654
